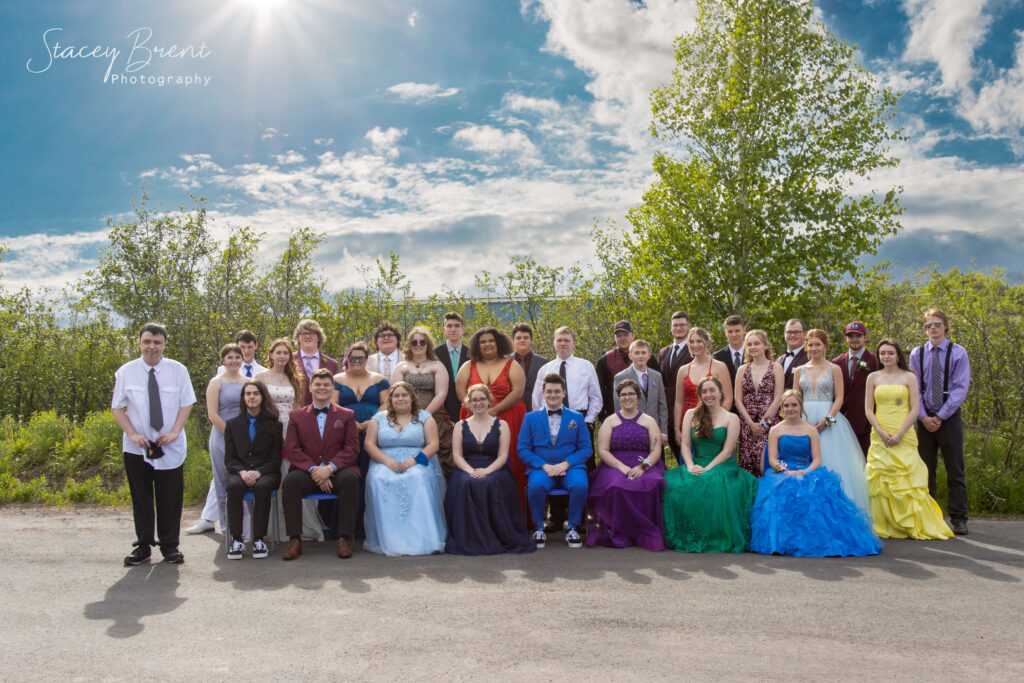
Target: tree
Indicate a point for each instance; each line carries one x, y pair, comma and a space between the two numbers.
774, 131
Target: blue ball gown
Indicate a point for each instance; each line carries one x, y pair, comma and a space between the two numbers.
404, 510
808, 515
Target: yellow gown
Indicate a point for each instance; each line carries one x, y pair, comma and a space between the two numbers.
898, 478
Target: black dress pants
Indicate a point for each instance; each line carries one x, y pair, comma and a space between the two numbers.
299, 483
165, 488
948, 438
262, 489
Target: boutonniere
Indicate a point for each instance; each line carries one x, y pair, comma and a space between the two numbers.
862, 365
572, 425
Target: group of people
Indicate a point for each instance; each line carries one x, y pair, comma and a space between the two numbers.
465, 448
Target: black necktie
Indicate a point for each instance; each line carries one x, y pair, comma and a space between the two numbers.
156, 411
736, 359
674, 356
554, 412
565, 397
321, 411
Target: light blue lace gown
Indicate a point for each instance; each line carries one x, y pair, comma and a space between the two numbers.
404, 510
840, 450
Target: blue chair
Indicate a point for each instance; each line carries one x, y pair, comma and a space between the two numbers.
274, 529
586, 510
325, 496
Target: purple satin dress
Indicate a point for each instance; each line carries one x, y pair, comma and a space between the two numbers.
623, 511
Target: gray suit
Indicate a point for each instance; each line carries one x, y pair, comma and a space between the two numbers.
653, 402
537, 361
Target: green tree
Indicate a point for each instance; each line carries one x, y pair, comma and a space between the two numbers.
771, 131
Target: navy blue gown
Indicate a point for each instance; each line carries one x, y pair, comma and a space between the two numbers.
364, 408
809, 515
484, 516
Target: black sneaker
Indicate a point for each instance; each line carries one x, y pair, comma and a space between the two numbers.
540, 538
572, 537
173, 556
236, 550
259, 549
139, 555
960, 527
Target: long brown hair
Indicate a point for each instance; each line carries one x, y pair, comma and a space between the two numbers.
268, 415
291, 369
703, 421
392, 415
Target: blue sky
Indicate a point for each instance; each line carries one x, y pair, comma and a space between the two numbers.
456, 133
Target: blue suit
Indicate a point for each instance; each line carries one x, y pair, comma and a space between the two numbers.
534, 449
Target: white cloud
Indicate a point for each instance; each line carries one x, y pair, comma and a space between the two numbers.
410, 91
386, 141
947, 32
491, 140
269, 133
412, 19
323, 142
289, 157
999, 106
520, 102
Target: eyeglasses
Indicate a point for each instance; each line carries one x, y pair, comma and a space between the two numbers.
793, 333
357, 359
386, 335
627, 394
479, 399
417, 342
307, 334
933, 323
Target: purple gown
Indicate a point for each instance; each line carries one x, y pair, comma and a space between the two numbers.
623, 511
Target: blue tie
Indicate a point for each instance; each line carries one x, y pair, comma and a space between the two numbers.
248, 371
252, 428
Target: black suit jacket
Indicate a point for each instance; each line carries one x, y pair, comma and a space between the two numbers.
799, 359
452, 405
725, 355
262, 453
668, 373
536, 363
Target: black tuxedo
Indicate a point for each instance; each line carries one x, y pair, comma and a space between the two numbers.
536, 363
726, 356
452, 405
799, 359
669, 370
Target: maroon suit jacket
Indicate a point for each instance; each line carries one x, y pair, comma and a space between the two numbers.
325, 362
304, 448
668, 374
853, 389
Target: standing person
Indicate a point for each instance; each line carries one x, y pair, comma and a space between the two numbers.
857, 363
490, 365
795, 355
452, 355
555, 446
733, 352
247, 342
405, 486
652, 387
800, 507
322, 445
530, 362
387, 338
482, 504
690, 375
820, 384
364, 393
758, 395
944, 374
429, 379
285, 384
897, 477
707, 500
625, 489
152, 399
671, 358
223, 402
310, 337
615, 361
252, 458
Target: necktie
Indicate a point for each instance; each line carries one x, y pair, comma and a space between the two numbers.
308, 362
561, 372
248, 371
674, 356
156, 411
736, 360
387, 367
455, 361
853, 364
936, 392
252, 428
554, 412
643, 382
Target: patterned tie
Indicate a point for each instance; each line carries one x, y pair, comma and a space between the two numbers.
308, 362
565, 397
156, 411
387, 367
936, 392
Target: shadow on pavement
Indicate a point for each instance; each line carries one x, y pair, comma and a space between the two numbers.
143, 591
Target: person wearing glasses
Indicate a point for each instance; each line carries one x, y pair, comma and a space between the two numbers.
386, 337
364, 393
625, 489
795, 355
309, 337
943, 374
429, 379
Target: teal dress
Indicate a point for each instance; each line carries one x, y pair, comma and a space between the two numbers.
709, 512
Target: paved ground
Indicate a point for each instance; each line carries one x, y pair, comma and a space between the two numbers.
922, 610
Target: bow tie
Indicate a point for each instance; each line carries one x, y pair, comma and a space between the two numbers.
790, 353
321, 411
554, 412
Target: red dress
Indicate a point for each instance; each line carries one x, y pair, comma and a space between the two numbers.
500, 388
690, 397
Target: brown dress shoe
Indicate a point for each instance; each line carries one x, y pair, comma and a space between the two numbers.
294, 549
344, 549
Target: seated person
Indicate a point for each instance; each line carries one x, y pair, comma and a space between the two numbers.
252, 459
554, 444
323, 447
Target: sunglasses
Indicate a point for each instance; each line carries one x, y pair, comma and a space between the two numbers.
417, 342
933, 323
357, 359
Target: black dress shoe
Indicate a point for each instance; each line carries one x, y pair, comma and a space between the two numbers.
173, 556
960, 527
139, 555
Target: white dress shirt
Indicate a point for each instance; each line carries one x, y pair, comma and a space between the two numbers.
581, 382
375, 363
131, 392
787, 360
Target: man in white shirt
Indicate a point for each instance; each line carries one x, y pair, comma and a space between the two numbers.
387, 338
153, 397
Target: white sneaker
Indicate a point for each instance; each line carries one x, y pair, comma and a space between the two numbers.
540, 538
236, 550
573, 538
259, 550
201, 527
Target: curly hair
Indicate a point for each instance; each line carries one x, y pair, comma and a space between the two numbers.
291, 370
390, 407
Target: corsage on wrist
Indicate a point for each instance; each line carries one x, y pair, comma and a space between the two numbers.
829, 420
781, 467
644, 463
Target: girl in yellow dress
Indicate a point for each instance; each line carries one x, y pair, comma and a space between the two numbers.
897, 477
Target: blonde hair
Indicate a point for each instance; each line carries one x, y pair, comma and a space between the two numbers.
795, 394
477, 387
769, 352
392, 415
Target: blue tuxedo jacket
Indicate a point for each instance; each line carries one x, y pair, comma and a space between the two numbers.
534, 447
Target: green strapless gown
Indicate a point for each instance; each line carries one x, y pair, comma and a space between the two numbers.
709, 512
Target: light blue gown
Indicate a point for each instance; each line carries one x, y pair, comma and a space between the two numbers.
405, 510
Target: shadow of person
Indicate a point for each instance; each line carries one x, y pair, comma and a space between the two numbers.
142, 592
